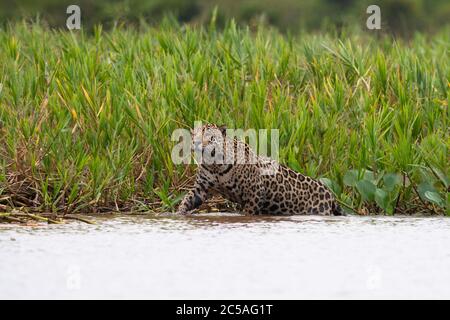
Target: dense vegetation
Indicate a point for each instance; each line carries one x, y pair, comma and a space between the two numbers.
86, 121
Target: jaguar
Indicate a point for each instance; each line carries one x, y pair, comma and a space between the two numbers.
259, 184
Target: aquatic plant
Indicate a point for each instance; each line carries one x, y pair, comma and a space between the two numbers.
86, 120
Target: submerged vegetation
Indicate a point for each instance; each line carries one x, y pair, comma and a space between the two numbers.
86, 120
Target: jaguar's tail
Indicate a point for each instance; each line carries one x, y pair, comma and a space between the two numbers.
337, 210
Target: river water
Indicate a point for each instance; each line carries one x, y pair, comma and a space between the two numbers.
228, 256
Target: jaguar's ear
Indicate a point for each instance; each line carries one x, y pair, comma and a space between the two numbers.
223, 129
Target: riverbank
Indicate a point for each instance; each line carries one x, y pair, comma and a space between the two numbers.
86, 120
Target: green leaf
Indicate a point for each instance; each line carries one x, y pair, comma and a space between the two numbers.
442, 177
429, 193
424, 187
367, 189
434, 197
369, 176
351, 178
333, 186
391, 180
382, 200
293, 163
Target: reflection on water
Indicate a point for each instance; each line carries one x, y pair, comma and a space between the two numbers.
228, 256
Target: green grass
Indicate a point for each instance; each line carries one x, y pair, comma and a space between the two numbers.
86, 120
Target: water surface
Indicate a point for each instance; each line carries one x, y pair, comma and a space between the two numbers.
228, 256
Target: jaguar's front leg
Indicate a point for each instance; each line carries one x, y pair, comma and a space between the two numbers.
193, 198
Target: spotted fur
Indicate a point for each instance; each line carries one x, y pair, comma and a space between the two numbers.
284, 191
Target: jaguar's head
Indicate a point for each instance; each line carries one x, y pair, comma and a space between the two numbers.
209, 140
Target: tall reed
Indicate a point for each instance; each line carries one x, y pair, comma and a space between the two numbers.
86, 120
